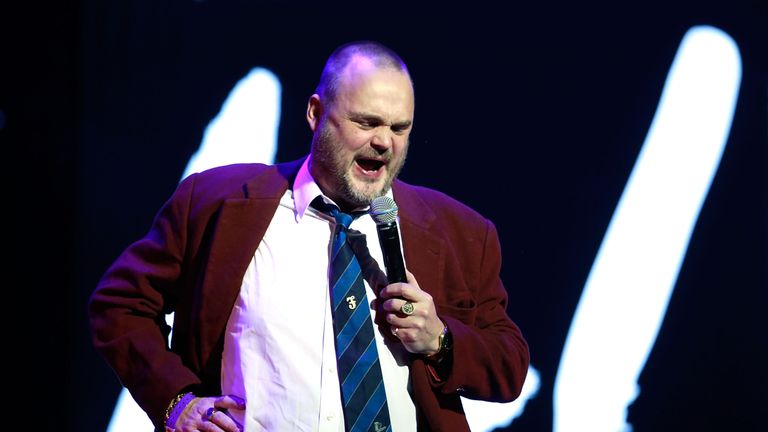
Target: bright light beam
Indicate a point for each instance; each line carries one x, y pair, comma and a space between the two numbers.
483, 416
245, 130
628, 289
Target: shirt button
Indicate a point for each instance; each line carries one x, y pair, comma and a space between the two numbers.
329, 417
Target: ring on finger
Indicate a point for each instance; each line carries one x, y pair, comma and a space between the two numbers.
209, 413
407, 308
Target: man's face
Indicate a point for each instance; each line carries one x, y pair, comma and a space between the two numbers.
361, 139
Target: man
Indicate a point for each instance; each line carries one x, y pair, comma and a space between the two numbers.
241, 255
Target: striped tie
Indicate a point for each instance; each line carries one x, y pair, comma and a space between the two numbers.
362, 388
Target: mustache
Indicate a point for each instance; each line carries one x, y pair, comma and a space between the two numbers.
369, 153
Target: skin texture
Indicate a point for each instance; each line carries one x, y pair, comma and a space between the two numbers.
360, 141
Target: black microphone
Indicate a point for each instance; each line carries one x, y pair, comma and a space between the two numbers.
384, 213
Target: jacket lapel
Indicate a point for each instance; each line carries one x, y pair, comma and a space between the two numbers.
242, 223
424, 252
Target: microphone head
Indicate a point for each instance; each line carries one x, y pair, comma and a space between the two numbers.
383, 210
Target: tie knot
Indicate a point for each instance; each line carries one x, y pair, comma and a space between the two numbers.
341, 218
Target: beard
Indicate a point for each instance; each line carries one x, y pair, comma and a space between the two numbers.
328, 158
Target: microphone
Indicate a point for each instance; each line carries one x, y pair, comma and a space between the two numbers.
384, 213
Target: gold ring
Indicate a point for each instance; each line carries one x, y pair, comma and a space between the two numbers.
407, 308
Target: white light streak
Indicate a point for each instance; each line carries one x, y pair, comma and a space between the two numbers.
634, 273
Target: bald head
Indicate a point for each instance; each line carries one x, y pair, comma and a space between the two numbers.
354, 57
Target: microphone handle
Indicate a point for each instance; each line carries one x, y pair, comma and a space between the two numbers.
389, 239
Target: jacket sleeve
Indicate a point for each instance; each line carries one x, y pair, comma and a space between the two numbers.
490, 357
127, 310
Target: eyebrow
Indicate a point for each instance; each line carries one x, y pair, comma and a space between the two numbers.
372, 118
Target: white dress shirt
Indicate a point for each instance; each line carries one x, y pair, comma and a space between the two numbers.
279, 350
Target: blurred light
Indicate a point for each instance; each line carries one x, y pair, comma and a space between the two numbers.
485, 416
628, 289
244, 130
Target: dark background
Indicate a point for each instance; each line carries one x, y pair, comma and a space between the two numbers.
533, 115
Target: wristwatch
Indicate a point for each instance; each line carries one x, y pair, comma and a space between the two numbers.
445, 341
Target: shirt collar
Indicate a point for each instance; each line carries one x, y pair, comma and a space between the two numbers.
305, 189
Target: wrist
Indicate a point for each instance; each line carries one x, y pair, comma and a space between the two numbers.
445, 343
176, 407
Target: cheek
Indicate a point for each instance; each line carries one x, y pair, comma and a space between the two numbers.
354, 140
400, 145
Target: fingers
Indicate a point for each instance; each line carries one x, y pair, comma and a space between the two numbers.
229, 402
210, 414
410, 278
215, 420
408, 290
408, 318
218, 415
408, 306
404, 300
411, 315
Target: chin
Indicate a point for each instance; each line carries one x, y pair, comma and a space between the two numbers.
362, 196
372, 190
361, 191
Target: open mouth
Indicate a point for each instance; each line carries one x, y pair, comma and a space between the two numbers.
369, 165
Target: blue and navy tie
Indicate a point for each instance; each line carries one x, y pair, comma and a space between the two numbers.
362, 388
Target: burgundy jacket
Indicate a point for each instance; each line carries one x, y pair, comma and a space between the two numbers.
193, 259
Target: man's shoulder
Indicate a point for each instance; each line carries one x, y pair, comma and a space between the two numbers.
245, 179
421, 200
238, 172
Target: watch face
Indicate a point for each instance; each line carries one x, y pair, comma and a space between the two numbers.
446, 340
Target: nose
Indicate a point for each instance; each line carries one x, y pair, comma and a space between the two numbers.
382, 139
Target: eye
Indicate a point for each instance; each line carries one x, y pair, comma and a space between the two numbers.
400, 129
366, 125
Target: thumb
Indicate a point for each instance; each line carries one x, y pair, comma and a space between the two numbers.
230, 402
411, 279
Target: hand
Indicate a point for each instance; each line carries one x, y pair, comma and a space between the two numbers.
420, 331
209, 414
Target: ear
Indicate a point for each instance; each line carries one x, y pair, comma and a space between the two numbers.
314, 111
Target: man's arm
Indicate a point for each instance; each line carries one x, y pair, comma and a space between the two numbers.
489, 356
127, 310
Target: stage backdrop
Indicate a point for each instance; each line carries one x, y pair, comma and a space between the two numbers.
634, 233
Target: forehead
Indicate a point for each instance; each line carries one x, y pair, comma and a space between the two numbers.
386, 92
